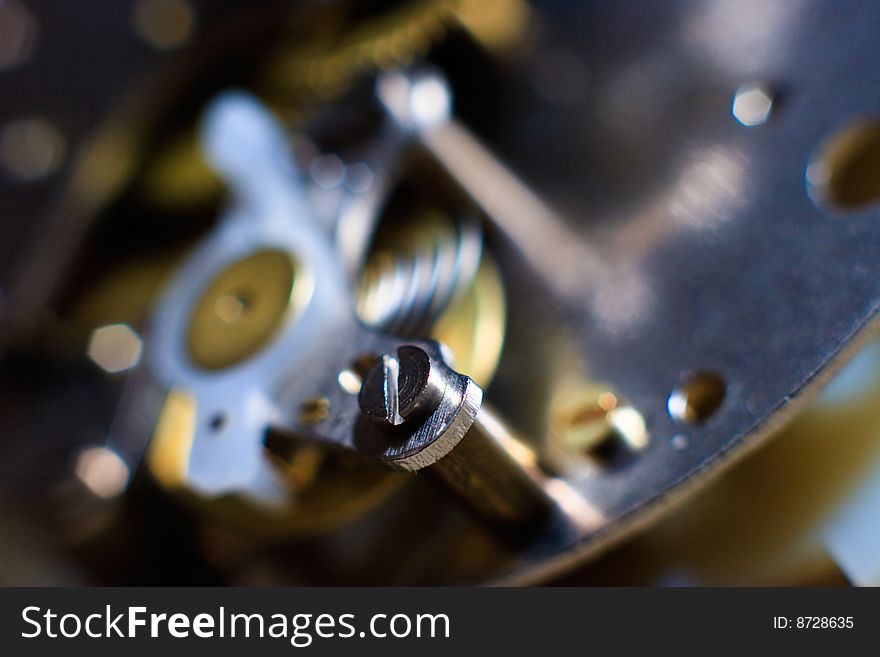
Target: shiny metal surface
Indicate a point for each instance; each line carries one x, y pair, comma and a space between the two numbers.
691, 243
712, 254
282, 373
405, 294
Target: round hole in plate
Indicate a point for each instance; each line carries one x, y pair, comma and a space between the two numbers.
217, 422
844, 175
233, 307
697, 398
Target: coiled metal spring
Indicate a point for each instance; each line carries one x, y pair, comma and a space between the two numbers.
405, 291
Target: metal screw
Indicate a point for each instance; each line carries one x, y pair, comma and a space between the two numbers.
401, 388
594, 421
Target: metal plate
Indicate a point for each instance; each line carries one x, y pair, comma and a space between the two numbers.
715, 257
